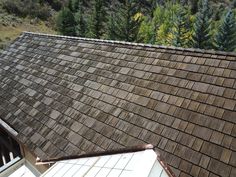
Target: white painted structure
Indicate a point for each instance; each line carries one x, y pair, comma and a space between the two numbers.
18, 168
136, 164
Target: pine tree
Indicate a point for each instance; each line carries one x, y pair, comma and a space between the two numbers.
66, 22
148, 6
70, 5
157, 20
193, 6
111, 27
166, 23
79, 5
153, 33
80, 24
79, 9
233, 4
202, 36
126, 21
145, 31
156, 30
179, 32
97, 19
225, 39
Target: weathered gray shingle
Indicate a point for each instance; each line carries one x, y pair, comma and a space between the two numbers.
68, 95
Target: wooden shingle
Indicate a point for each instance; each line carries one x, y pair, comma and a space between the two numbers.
67, 96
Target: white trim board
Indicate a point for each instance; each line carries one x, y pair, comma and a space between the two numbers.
8, 128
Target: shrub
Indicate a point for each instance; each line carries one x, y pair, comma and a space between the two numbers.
15, 7
25, 8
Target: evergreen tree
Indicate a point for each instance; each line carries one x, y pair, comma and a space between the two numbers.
79, 9
111, 27
70, 5
78, 5
167, 22
159, 16
157, 29
146, 31
225, 39
193, 6
179, 32
80, 24
126, 21
202, 36
66, 22
97, 19
233, 4
148, 6
154, 28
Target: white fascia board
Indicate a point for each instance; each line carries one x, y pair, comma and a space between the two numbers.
8, 128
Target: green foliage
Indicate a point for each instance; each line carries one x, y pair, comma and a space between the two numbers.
25, 8
193, 6
126, 22
70, 5
55, 4
80, 24
179, 33
148, 6
155, 30
97, 19
76, 5
66, 22
78, 8
79, 5
225, 38
202, 36
233, 4
159, 18
147, 33
169, 12
148, 21
111, 27
158, 29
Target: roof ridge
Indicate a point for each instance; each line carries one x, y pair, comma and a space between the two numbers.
196, 50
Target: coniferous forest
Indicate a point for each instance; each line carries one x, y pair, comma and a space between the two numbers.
200, 24
204, 24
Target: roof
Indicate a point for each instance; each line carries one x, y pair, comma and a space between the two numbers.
144, 163
131, 149
67, 96
19, 167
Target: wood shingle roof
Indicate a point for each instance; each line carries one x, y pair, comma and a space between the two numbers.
68, 95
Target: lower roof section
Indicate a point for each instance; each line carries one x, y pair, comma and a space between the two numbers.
133, 164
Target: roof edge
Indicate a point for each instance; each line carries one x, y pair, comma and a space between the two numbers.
8, 128
195, 50
100, 153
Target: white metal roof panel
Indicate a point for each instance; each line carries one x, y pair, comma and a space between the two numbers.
142, 164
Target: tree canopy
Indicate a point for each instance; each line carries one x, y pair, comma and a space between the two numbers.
66, 22
190, 23
225, 38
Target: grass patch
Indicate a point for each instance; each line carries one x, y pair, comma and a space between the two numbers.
11, 27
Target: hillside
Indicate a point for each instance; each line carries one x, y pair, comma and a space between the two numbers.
11, 26
149, 21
